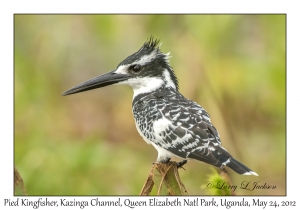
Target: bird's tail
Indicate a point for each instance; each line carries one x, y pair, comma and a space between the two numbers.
227, 160
239, 168
221, 158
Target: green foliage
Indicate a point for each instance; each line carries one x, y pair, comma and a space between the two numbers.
215, 184
19, 188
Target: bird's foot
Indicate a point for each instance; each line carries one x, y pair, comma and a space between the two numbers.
181, 163
166, 160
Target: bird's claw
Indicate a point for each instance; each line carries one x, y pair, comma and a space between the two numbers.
167, 161
181, 163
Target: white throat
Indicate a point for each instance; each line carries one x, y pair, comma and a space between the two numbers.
149, 84
144, 85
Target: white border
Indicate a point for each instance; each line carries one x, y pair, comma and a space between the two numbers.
8, 8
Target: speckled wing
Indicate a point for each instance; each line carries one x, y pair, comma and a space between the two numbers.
170, 121
190, 134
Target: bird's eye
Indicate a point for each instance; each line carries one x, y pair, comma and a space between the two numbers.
136, 68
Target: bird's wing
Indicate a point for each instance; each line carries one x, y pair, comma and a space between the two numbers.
186, 131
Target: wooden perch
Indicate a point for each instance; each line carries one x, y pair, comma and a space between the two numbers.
164, 179
19, 188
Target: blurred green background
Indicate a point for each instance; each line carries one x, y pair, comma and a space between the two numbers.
87, 143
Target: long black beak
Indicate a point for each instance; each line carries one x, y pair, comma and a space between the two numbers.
97, 82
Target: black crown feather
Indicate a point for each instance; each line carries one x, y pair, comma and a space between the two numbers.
151, 43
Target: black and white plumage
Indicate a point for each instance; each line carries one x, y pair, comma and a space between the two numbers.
174, 125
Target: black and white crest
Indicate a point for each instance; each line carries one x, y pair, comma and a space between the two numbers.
148, 65
151, 46
174, 125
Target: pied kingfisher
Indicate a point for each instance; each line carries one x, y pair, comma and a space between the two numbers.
174, 125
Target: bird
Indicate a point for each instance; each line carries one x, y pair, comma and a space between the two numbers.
174, 125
